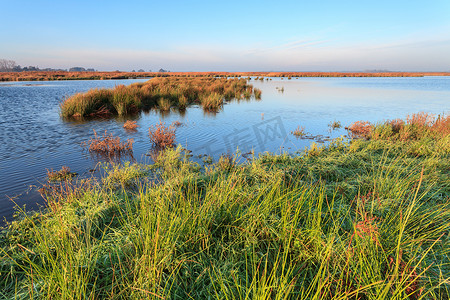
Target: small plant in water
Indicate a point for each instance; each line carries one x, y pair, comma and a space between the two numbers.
63, 174
108, 144
130, 125
334, 125
299, 132
162, 136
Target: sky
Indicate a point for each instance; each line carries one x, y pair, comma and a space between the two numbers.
212, 35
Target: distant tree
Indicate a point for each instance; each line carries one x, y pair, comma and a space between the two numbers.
7, 65
77, 69
141, 70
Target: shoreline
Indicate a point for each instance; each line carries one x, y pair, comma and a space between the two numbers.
62, 75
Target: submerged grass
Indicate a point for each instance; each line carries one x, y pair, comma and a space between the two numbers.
361, 219
161, 93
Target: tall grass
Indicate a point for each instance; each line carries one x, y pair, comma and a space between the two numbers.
360, 220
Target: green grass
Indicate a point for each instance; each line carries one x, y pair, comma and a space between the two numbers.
366, 219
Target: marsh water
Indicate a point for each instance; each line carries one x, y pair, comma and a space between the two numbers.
34, 138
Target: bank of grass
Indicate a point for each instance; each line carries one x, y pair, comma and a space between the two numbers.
161, 93
366, 219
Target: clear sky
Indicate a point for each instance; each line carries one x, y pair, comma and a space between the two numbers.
191, 35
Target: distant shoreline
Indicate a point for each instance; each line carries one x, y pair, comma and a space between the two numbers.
64, 75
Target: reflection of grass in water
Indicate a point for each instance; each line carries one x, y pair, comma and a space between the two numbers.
355, 219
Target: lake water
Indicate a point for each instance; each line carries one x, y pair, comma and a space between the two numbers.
34, 138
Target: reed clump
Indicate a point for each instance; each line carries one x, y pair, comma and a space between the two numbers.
212, 101
162, 136
161, 93
108, 144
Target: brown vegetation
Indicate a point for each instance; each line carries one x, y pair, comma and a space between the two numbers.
130, 125
359, 129
108, 144
299, 132
415, 127
161, 136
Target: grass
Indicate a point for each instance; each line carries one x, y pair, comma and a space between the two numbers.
161, 93
356, 219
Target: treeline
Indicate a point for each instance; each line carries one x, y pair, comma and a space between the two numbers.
11, 66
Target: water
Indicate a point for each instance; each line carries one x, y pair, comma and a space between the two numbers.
34, 138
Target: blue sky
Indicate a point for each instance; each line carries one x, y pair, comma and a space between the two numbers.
241, 35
